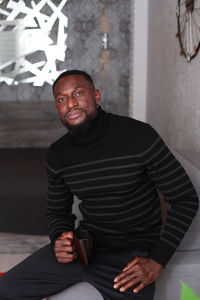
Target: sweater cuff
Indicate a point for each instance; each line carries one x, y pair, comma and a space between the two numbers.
162, 253
53, 236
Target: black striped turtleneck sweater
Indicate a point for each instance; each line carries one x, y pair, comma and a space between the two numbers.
115, 168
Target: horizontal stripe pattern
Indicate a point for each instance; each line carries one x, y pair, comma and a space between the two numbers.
172, 181
119, 196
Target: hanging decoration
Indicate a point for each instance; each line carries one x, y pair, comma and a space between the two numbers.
188, 20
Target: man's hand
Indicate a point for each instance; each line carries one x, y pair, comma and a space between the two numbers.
141, 271
64, 249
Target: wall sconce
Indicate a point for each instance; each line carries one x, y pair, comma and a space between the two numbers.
104, 28
105, 40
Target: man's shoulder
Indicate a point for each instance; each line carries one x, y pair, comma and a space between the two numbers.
134, 133
131, 124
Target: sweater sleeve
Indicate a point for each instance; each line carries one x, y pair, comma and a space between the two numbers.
59, 205
172, 181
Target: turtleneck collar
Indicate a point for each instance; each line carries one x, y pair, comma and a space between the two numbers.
92, 133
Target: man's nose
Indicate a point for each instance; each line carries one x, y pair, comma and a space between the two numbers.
72, 102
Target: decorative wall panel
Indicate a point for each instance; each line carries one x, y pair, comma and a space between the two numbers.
98, 42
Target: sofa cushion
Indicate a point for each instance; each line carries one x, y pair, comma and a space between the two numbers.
82, 291
185, 266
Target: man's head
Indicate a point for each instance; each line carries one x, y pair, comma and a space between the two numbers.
76, 98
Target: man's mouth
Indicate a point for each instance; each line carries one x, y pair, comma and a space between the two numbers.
74, 114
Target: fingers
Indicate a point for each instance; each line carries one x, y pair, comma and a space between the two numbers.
131, 263
131, 271
67, 235
141, 271
63, 243
128, 279
66, 239
64, 248
140, 286
131, 284
65, 257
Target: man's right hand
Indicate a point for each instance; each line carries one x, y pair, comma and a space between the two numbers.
64, 249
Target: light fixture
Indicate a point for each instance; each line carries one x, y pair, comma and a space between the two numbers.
104, 28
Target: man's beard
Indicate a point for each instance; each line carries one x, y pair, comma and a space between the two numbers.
81, 127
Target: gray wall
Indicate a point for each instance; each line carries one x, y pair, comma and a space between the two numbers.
27, 114
173, 105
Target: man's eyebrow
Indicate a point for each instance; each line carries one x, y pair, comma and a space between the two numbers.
74, 88
79, 86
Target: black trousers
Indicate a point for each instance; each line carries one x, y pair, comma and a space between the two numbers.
40, 275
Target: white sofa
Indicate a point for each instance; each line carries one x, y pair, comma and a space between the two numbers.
184, 265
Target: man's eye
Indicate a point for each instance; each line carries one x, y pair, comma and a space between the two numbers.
79, 93
60, 100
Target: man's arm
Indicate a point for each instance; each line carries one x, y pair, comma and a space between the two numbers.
173, 182
60, 220
59, 205
170, 179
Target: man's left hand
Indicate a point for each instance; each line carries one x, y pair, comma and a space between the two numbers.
141, 271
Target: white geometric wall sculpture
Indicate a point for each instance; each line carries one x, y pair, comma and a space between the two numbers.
22, 37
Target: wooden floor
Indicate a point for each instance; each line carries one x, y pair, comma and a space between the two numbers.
8, 261
16, 247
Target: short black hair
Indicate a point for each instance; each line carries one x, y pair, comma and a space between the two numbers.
74, 72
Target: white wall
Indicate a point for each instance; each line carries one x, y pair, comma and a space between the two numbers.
138, 59
173, 85
164, 87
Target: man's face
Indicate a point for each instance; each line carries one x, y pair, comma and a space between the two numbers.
76, 100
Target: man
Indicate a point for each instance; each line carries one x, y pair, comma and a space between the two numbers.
114, 165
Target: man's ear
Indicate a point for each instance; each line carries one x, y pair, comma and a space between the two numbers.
97, 95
